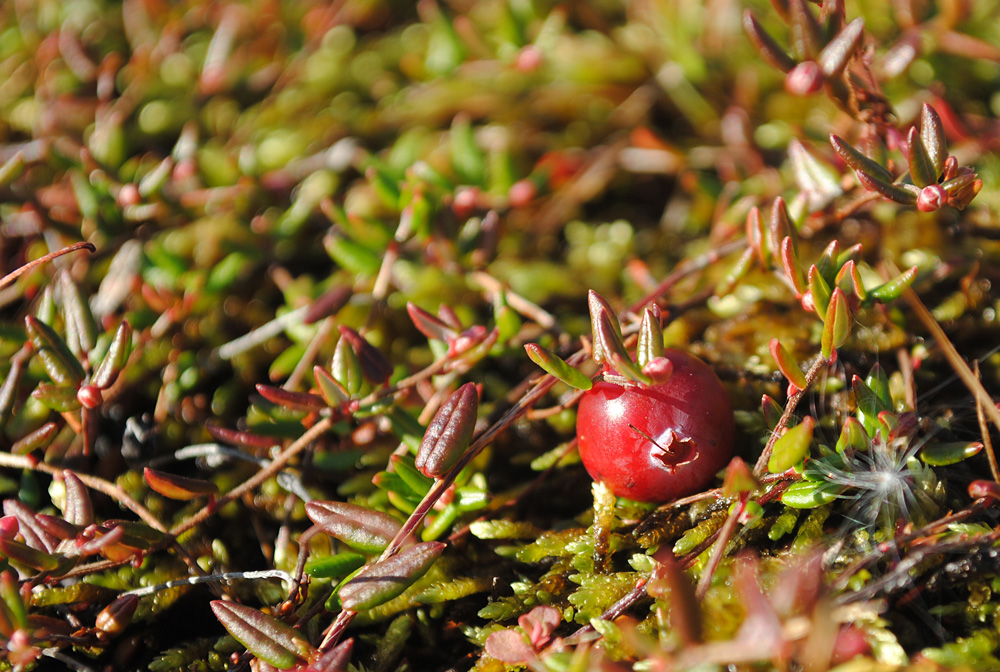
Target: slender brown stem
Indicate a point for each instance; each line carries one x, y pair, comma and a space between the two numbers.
790, 406
32, 265
984, 430
276, 465
93, 482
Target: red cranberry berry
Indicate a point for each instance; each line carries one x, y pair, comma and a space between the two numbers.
932, 198
660, 442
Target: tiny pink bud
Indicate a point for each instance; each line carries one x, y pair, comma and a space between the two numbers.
808, 304
129, 195
804, 79
529, 59
89, 396
465, 201
931, 198
521, 193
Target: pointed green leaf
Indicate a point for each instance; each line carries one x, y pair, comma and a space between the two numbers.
893, 289
60, 398
790, 264
335, 566
380, 582
650, 337
878, 382
944, 454
755, 235
467, 158
333, 392
114, 359
868, 405
838, 53
772, 411
859, 162
837, 326
346, 368
921, 168
827, 263
614, 350
81, 329
404, 467
264, 636
553, 364
894, 192
60, 363
39, 438
793, 446
361, 528
807, 34
739, 479
849, 280
765, 44
787, 365
28, 556
852, 437
932, 137
819, 290
811, 494
819, 181
599, 306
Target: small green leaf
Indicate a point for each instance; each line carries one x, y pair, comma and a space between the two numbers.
739, 479
819, 290
554, 365
346, 368
380, 582
892, 290
787, 365
765, 44
28, 556
868, 405
39, 438
852, 436
755, 236
60, 398
361, 528
944, 454
879, 384
351, 255
839, 51
932, 137
810, 494
772, 411
467, 158
60, 363
114, 359
613, 347
790, 263
921, 167
892, 191
807, 34
849, 280
335, 566
264, 636
333, 392
793, 446
599, 306
650, 337
859, 162
837, 327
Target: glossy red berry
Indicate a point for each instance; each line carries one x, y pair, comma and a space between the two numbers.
660, 442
